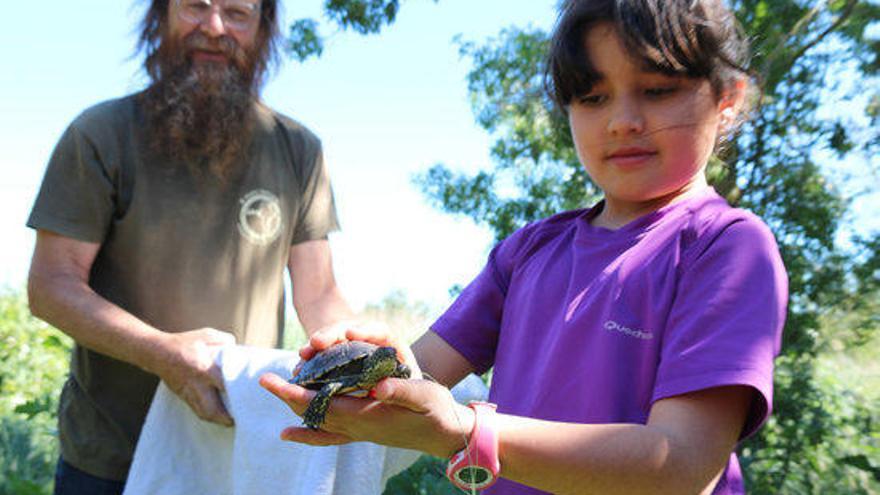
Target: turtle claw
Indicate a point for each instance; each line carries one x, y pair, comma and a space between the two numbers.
315, 413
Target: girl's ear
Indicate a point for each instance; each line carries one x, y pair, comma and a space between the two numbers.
730, 105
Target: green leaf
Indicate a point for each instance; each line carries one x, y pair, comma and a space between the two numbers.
861, 462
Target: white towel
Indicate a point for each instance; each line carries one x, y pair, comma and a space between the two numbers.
179, 454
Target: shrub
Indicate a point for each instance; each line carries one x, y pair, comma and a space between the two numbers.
33, 365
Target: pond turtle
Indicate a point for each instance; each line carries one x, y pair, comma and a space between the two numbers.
343, 368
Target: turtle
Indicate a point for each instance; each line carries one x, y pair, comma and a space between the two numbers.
343, 368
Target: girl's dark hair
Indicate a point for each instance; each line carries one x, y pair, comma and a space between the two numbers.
154, 23
695, 38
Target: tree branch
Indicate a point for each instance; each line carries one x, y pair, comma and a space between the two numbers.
800, 25
844, 15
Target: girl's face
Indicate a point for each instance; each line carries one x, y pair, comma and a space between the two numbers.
641, 135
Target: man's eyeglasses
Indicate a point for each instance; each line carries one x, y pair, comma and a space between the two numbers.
235, 14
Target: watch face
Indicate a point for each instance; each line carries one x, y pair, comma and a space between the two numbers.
474, 476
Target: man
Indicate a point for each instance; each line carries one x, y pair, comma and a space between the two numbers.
164, 224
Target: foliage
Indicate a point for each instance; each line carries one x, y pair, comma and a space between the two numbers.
362, 16
426, 477
403, 317
796, 163
823, 438
33, 365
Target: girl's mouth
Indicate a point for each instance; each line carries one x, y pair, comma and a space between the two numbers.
629, 157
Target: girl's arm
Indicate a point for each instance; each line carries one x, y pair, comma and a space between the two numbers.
683, 448
440, 360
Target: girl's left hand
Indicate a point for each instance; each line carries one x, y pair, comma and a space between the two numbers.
373, 332
412, 414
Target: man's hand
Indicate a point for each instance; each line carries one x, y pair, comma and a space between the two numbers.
187, 364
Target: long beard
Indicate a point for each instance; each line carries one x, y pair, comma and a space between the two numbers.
201, 115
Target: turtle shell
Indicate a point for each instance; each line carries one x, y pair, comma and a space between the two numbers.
345, 359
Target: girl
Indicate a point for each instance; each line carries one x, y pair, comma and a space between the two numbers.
632, 342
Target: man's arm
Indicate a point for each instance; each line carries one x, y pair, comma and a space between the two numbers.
58, 293
316, 297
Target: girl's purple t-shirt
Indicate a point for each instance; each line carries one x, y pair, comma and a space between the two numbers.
589, 325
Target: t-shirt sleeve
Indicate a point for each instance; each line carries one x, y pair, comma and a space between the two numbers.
317, 213
726, 322
77, 196
472, 323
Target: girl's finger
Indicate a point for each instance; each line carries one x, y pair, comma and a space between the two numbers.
381, 336
313, 437
371, 334
306, 352
415, 395
295, 396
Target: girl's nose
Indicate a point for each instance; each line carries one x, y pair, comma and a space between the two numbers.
626, 118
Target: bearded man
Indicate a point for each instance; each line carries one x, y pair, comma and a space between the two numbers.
165, 222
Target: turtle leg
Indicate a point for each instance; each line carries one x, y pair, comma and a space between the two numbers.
403, 371
317, 409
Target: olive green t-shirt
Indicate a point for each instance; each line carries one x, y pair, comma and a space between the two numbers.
179, 250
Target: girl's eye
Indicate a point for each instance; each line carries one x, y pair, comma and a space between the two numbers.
591, 99
660, 91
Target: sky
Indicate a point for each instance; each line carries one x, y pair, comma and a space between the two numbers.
386, 107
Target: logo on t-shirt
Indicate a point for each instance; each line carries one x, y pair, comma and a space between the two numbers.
259, 219
612, 325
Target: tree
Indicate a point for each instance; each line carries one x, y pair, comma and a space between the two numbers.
784, 165
361, 16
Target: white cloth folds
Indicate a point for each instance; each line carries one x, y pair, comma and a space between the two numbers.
179, 454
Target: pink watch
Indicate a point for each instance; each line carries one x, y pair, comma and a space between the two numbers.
477, 466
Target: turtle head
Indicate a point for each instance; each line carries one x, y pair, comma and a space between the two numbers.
382, 363
388, 355
390, 364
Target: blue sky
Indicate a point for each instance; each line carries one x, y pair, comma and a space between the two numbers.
386, 107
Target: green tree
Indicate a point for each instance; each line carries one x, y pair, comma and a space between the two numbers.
787, 165
795, 163
361, 16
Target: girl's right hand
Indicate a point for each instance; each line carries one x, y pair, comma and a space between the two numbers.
411, 414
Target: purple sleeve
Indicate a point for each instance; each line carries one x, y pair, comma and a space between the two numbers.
725, 325
472, 324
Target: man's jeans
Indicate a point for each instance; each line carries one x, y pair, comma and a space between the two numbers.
71, 481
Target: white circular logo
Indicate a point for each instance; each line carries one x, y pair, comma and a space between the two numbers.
259, 219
